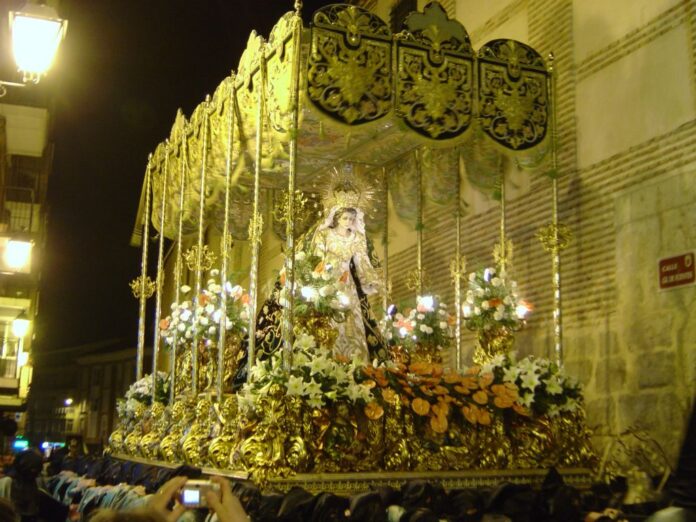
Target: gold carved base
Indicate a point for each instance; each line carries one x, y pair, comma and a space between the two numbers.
286, 438
492, 342
347, 484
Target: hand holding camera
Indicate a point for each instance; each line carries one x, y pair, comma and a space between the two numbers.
215, 494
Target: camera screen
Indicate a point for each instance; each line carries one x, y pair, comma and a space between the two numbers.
191, 496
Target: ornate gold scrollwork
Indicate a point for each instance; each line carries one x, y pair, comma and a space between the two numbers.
207, 258
435, 64
458, 268
349, 64
305, 212
136, 286
513, 97
555, 237
256, 228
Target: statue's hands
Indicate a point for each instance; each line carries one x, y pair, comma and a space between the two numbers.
226, 505
371, 288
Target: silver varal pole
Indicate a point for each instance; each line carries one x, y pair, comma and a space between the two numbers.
178, 263
256, 218
143, 275
556, 240
225, 246
201, 232
160, 272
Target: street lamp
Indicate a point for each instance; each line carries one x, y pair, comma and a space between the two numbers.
17, 255
36, 34
20, 325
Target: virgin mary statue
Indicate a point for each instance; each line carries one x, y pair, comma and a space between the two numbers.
339, 240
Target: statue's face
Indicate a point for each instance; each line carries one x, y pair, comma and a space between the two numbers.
346, 220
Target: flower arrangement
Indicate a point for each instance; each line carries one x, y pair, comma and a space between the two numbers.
319, 289
427, 324
202, 315
139, 396
436, 395
492, 300
316, 376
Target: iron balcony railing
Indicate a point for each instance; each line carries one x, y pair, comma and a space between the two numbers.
18, 209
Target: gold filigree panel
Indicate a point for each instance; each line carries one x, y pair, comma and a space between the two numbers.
349, 64
434, 99
513, 97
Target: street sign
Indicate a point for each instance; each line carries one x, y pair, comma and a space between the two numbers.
677, 271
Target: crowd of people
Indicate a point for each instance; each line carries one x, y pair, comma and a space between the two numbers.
102, 489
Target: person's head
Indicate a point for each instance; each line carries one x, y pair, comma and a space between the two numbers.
344, 218
27, 465
73, 447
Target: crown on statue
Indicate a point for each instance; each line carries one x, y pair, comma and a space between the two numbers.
346, 195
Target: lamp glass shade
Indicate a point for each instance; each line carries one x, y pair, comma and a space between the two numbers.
36, 35
23, 359
20, 327
18, 254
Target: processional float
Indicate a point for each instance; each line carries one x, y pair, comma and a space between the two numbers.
344, 96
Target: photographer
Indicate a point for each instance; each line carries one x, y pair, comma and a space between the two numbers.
164, 506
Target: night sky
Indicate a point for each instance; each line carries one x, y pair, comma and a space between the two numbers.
124, 69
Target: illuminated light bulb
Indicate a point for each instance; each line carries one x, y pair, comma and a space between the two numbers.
487, 275
521, 310
428, 302
391, 310
36, 35
466, 311
403, 331
18, 254
343, 299
308, 292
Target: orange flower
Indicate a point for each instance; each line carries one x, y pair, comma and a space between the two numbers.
420, 406
164, 323
462, 390
344, 277
245, 298
440, 390
374, 411
425, 390
282, 277
436, 370
421, 368
521, 409
389, 395
452, 378
203, 299
470, 413
473, 370
319, 268
368, 370
509, 393
470, 383
495, 302
370, 383
481, 397
341, 358
484, 417
439, 424
485, 380
405, 401
441, 409
503, 402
